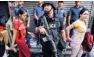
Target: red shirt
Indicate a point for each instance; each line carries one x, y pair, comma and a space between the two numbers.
21, 31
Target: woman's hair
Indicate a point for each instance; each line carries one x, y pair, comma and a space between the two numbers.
82, 11
20, 12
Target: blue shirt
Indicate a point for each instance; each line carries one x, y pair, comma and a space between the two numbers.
15, 11
38, 11
74, 12
60, 13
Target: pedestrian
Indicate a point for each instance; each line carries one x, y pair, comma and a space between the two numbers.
4, 16
27, 15
61, 14
37, 13
80, 29
19, 34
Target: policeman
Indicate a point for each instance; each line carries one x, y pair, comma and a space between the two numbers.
49, 43
61, 14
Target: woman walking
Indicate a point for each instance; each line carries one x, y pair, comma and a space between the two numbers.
19, 34
78, 36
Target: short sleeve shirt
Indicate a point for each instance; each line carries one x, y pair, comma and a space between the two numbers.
21, 31
79, 32
74, 12
79, 26
38, 11
60, 12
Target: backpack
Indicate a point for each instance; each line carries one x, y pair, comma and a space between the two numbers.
87, 42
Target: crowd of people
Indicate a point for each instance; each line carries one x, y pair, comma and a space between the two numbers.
50, 27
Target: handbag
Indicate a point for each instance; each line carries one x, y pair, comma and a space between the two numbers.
87, 43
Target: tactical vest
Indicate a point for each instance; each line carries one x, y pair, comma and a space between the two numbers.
54, 28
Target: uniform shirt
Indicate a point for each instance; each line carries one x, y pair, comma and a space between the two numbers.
74, 12
60, 13
21, 31
38, 11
